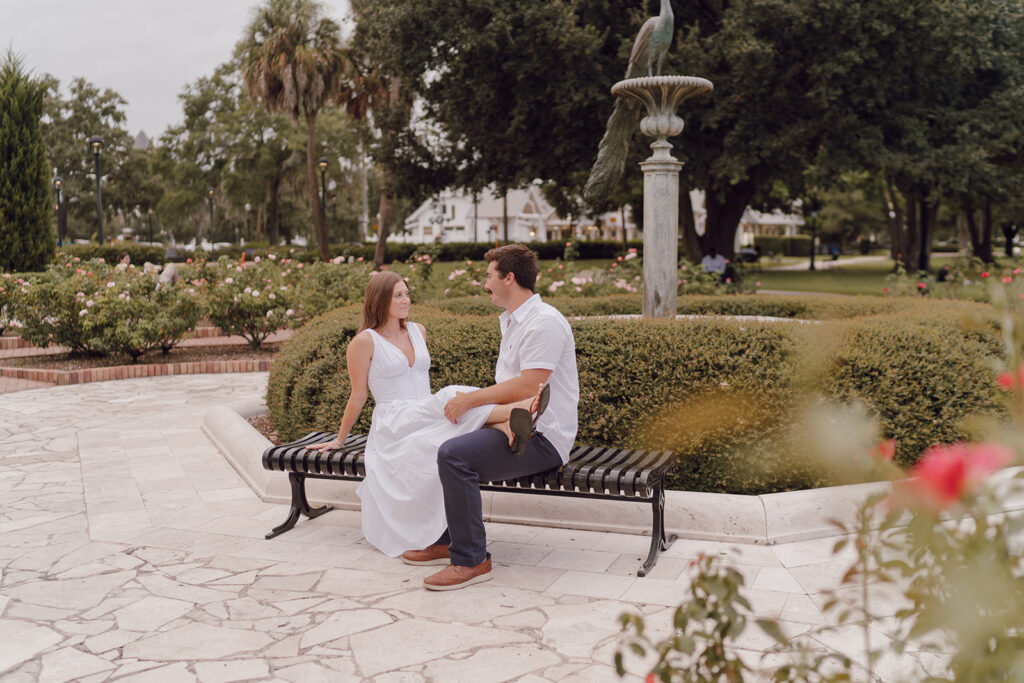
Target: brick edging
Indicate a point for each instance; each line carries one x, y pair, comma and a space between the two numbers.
9, 343
61, 377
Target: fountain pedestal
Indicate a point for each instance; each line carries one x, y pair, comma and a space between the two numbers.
661, 96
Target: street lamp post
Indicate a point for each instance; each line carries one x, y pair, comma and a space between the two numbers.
322, 163
149, 212
334, 213
209, 195
248, 208
815, 208
58, 184
97, 144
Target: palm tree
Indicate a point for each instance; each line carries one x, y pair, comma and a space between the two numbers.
292, 61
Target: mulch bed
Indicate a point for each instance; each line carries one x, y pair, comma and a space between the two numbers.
67, 361
263, 426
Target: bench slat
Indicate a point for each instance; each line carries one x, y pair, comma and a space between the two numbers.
593, 470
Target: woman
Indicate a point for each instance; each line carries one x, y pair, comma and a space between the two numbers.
402, 501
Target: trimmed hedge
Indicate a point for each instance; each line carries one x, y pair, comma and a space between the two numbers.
109, 252
804, 307
796, 245
725, 395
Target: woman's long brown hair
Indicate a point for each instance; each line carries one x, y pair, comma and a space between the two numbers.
377, 299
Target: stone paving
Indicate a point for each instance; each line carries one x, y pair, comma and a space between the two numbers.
131, 551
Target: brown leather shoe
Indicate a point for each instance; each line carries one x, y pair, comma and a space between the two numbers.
432, 554
454, 577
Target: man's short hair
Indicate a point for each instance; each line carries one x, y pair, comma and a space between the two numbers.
518, 260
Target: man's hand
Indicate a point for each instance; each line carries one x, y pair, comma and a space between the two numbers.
457, 407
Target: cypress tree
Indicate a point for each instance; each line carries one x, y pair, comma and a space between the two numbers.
27, 241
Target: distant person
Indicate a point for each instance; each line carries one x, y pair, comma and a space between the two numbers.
713, 262
123, 261
169, 274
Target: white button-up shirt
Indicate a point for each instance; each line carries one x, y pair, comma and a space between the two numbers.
536, 336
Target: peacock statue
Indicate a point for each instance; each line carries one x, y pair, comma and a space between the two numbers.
649, 50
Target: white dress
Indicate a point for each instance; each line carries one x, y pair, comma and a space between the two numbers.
402, 501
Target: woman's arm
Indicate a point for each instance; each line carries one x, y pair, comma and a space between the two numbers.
360, 351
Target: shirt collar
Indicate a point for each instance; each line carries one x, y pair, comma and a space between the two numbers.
520, 313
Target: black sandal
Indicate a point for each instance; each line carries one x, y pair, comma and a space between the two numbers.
522, 424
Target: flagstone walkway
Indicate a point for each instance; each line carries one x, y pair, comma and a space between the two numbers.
130, 550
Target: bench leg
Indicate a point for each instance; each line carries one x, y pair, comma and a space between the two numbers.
658, 540
300, 506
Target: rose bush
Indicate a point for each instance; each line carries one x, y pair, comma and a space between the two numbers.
91, 308
252, 300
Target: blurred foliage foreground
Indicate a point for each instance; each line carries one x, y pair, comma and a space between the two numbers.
739, 401
932, 583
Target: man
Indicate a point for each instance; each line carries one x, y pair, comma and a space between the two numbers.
713, 262
537, 347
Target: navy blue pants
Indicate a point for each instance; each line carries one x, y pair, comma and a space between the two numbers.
466, 461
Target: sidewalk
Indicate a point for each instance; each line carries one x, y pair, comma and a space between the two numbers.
825, 262
132, 551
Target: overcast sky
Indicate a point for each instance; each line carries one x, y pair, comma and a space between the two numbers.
146, 50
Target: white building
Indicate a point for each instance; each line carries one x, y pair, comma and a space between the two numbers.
752, 224
456, 216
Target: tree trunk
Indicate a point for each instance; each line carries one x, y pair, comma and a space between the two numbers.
911, 243
986, 231
1010, 230
504, 213
625, 239
929, 221
272, 220
319, 225
691, 240
981, 235
383, 219
894, 219
723, 217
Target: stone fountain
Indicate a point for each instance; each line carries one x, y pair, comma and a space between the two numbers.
661, 96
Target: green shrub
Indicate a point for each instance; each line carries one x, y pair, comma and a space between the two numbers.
9, 287
722, 394
139, 253
90, 307
796, 245
134, 314
49, 305
326, 286
252, 301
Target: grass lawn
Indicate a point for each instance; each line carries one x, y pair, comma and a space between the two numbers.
855, 278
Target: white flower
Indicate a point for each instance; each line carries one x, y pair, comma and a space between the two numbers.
289, 312
111, 284
83, 312
228, 280
236, 298
272, 257
255, 292
90, 303
80, 294
270, 313
273, 296
248, 290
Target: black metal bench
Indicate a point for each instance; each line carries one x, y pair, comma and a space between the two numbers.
592, 472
